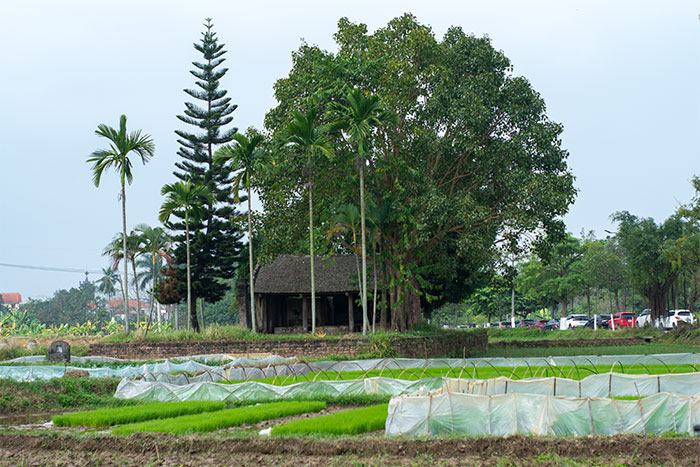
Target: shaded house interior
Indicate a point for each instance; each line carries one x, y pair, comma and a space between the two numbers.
283, 295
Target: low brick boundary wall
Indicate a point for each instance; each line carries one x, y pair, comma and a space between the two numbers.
607, 341
450, 344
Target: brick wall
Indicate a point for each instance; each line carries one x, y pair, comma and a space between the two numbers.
452, 344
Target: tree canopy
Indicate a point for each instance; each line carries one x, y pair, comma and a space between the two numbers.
470, 162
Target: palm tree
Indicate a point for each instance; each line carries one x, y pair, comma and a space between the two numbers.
303, 134
117, 156
247, 157
114, 250
187, 198
154, 242
358, 117
107, 285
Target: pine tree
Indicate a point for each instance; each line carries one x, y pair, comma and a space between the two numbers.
216, 242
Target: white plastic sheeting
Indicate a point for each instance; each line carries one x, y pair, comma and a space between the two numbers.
165, 392
603, 385
448, 413
153, 371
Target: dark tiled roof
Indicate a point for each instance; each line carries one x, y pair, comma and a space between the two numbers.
291, 274
10, 298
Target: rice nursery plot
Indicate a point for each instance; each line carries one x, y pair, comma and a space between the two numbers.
348, 422
479, 372
202, 423
133, 414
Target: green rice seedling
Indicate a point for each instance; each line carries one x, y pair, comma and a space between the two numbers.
123, 415
348, 422
223, 419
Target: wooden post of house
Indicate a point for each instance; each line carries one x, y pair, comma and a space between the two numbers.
304, 313
351, 313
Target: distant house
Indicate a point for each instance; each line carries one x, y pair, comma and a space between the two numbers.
10, 300
283, 295
117, 305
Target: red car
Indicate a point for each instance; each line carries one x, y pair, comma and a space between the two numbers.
624, 320
540, 323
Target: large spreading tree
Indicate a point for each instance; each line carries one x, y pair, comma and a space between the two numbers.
471, 162
215, 239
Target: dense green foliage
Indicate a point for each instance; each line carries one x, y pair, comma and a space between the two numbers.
470, 162
124, 415
347, 422
223, 419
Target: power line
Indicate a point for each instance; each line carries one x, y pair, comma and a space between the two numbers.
49, 268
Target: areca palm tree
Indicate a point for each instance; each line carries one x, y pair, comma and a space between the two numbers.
155, 242
303, 133
121, 144
188, 199
107, 285
246, 157
358, 117
115, 251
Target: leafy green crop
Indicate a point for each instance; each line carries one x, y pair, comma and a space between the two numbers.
122, 415
223, 419
348, 422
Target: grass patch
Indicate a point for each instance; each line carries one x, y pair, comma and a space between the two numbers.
348, 422
641, 349
529, 334
59, 394
224, 419
123, 415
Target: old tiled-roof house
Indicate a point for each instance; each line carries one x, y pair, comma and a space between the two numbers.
283, 295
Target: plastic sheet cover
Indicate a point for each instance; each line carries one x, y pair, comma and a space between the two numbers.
446, 413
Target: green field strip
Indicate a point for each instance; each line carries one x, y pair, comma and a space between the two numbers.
347, 422
133, 414
576, 372
202, 423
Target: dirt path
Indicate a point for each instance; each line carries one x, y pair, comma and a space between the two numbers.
151, 449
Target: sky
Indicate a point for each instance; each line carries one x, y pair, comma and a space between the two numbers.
622, 77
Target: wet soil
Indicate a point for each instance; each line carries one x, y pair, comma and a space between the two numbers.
158, 449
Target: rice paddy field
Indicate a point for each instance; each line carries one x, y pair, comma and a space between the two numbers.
326, 428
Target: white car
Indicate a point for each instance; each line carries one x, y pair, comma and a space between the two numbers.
644, 319
574, 321
674, 316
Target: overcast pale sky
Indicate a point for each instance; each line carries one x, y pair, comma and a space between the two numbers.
623, 78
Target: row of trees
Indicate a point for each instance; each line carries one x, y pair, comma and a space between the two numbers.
643, 265
426, 158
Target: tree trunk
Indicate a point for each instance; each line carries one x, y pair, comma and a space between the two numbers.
153, 286
374, 295
250, 259
138, 298
125, 283
192, 310
512, 307
311, 250
385, 299
588, 300
624, 299
364, 246
201, 312
617, 301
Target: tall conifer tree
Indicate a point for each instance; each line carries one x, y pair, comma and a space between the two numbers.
216, 242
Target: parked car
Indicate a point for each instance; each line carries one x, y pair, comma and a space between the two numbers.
551, 325
624, 319
504, 325
526, 323
602, 321
673, 317
644, 318
574, 321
